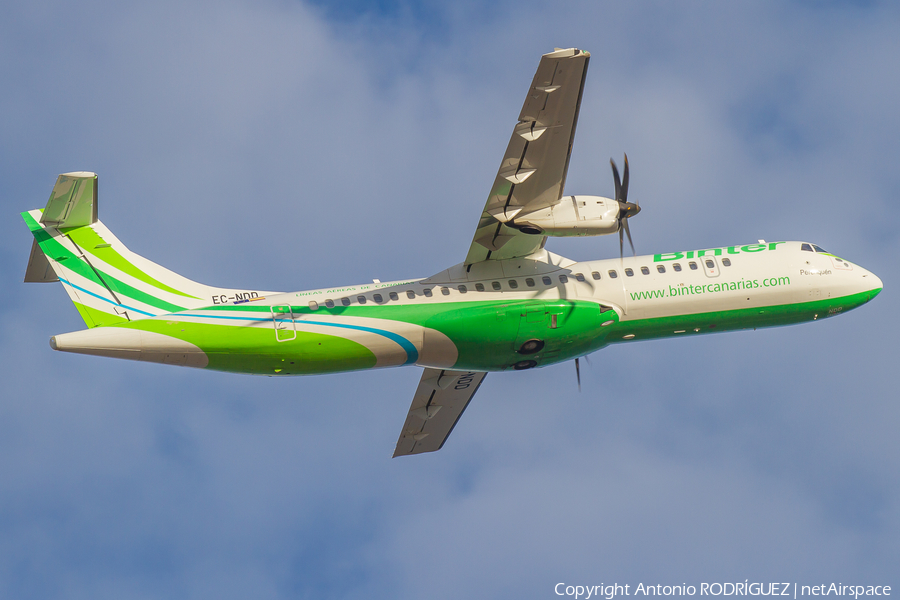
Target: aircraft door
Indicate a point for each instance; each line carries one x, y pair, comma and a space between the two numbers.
283, 319
710, 265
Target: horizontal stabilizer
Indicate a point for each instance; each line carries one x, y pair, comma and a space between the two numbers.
39, 269
73, 201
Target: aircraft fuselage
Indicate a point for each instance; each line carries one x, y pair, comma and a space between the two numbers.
522, 314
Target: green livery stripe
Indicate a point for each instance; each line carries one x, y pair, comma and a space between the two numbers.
486, 333
97, 318
255, 349
417, 314
32, 224
744, 318
412, 353
91, 242
252, 308
62, 255
69, 260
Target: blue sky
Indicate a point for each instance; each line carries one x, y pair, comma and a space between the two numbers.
284, 145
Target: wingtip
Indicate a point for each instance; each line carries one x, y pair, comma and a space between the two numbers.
566, 53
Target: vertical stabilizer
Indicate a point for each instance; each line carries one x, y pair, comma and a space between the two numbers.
107, 282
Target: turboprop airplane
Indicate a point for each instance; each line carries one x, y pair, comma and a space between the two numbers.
510, 305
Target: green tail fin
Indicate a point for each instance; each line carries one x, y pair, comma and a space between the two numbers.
108, 283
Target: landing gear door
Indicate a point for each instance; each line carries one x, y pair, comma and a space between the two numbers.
283, 319
533, 325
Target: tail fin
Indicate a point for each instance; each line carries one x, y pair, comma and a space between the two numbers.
108, 283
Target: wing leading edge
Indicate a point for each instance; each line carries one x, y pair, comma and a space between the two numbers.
439, 402
533, 171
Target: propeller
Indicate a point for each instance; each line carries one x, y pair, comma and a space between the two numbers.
578, 374
626, 209
578, 368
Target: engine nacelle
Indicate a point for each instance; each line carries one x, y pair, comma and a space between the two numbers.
572, 216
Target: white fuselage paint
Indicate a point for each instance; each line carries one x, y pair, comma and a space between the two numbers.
809, 276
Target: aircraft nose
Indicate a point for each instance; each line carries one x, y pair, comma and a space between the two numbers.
873, 284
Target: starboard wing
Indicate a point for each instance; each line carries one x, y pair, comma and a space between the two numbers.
439, 402
533, 171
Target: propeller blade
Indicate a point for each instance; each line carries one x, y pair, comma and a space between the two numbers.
628, 233
578, 374
616, 177
626, 209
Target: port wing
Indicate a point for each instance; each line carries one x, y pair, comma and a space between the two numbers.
440, 400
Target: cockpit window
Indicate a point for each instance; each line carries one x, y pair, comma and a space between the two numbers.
820, 249
806, 247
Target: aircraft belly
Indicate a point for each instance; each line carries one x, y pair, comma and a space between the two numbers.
301, 344
773, 315
311, 348
307, 354
490, 337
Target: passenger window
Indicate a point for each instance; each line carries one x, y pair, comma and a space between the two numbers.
547, 280
445, 291
529, 282
710, 264
377, 298
479, 287
661, 268
361, 299
613, 274
393, 296
313, 305
595, 275
427, 292
692, 265
806, 247
495, 285
726, 262
645, 270
410, 294
513, 283
563, 279
579, 277
329, 303
345, 301
629, 272
462, 289
677, 267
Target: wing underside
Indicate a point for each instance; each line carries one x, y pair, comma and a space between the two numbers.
439, 402
533, 172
